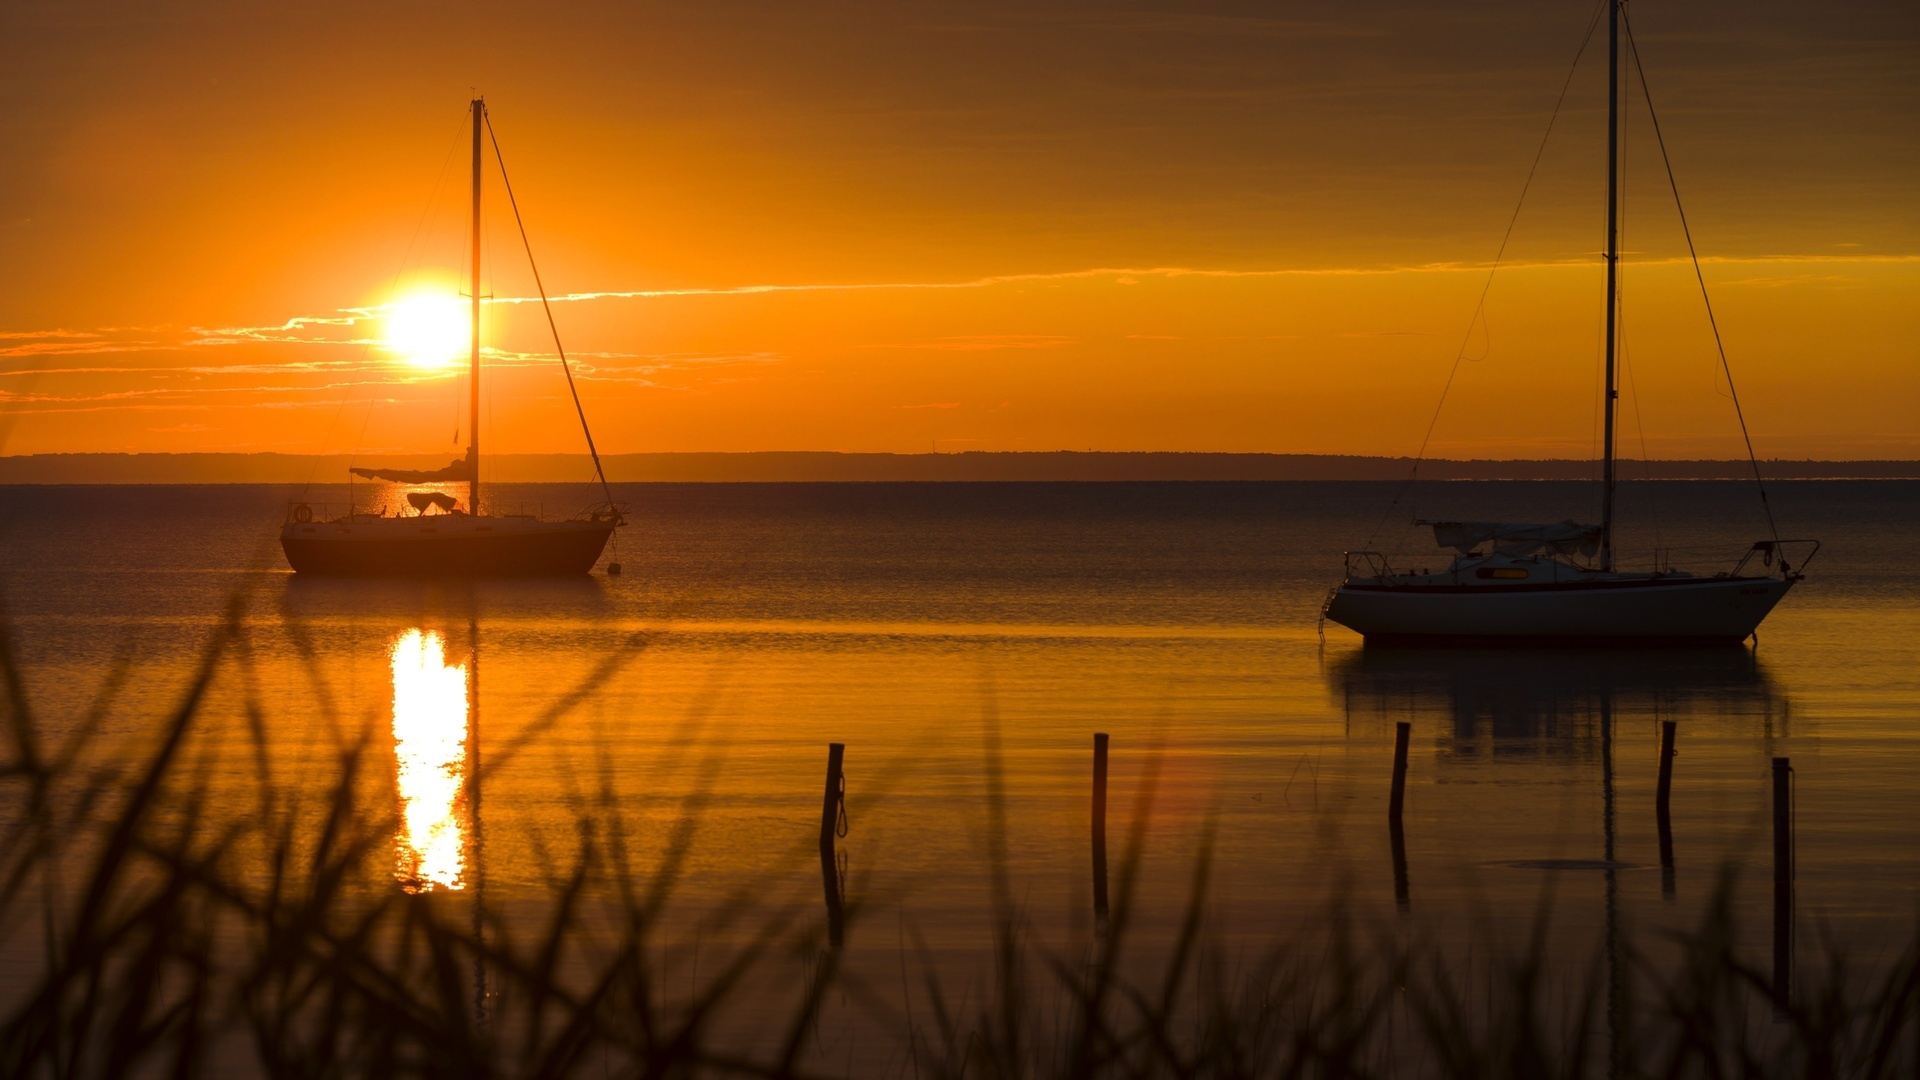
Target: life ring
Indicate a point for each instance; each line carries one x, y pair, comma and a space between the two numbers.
302, 514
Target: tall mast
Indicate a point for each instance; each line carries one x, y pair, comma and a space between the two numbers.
473, 375
1613, 274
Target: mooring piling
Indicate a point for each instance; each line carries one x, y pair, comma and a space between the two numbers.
1782, 882
1100, 828
833, 819
1663, 808
1402, 896
1663, 793
1402, 732
1396, 834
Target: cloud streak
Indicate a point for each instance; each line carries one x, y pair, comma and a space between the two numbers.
298, 329
343, 329
1172, 272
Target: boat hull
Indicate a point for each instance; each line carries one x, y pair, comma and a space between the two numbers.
445, 546
1690, 610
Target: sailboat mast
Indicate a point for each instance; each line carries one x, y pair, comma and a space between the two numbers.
473, 375
1613, 276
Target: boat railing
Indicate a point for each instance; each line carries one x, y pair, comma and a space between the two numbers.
1664, 561
603, 510
1792, 566
1379, 564
1367, 564
1787, 557
304, 511
308, 511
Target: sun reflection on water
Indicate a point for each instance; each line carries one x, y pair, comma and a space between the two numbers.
430, 749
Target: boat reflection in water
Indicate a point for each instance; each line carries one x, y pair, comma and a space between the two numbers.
1552, 715
1545, 718
1549, 704
430, 751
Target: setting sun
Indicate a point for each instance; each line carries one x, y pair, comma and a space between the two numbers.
428, 330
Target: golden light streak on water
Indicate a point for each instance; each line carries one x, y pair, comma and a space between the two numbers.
430, 749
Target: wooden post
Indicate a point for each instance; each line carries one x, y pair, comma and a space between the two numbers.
831, 807
1663, 792
1401, 733
1663, 807
1402, 898
1782, 882
1100, 827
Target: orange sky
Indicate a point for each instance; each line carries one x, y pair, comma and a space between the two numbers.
902, 226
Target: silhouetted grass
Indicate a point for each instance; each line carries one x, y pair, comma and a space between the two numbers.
144, 936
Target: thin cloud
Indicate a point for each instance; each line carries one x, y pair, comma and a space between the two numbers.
1842, 280
10, 398
81, 348
326, 330
981, 342
188, 407
1170, 272
584, 367
219, 369
16, 334
295, 330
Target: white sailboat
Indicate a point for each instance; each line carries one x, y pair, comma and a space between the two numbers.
1519, 582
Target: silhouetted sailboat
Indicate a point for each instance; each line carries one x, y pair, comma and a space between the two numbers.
441, 538
1518, 581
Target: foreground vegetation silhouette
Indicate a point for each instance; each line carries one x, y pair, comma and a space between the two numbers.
148, 927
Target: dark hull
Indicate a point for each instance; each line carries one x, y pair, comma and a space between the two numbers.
1705, 643
1694, 610
563, 549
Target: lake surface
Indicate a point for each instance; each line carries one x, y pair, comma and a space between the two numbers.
965, 638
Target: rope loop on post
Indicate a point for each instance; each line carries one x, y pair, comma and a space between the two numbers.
840, 817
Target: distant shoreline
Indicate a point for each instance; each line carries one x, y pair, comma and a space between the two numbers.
817, 466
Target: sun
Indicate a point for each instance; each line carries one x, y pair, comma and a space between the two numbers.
428, 330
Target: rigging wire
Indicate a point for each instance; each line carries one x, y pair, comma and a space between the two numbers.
1753, 461
548, 308
1480, 308
489, 321
1626, 362
1599, 393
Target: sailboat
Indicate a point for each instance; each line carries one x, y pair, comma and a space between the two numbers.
442, 538
1519, 581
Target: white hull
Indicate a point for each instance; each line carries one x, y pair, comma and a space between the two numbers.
1709, 609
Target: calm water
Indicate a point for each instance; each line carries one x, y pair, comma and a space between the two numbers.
924, 625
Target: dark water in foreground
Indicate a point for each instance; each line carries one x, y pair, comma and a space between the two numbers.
938, 629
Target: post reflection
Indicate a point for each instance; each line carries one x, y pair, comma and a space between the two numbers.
430, 753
